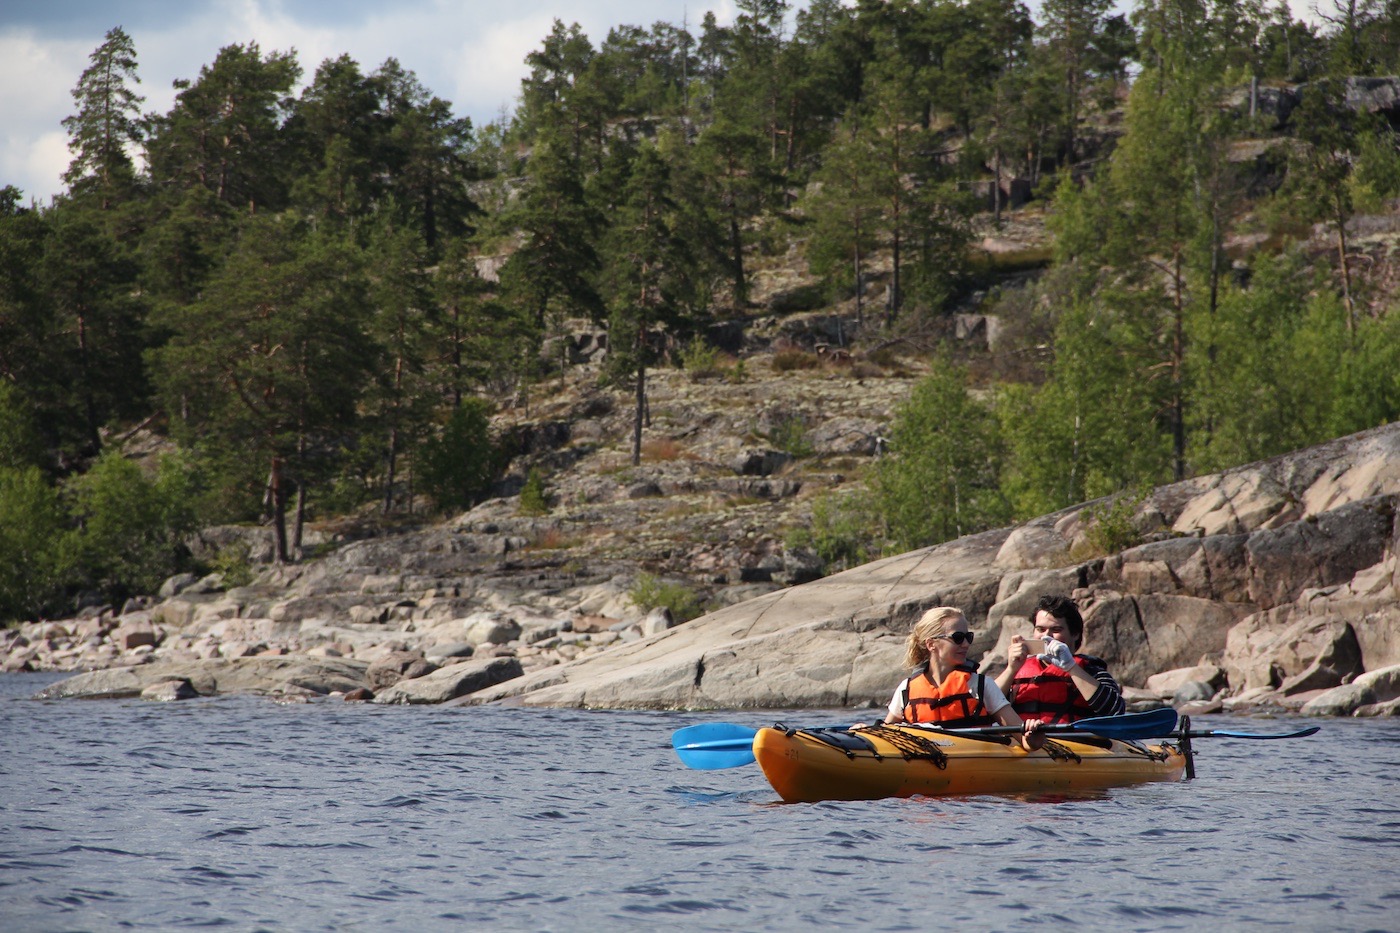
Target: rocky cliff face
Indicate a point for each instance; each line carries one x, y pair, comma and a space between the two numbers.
1271, 584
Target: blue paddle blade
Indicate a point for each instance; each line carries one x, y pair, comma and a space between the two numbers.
1157, 722
1227, 734
712, 746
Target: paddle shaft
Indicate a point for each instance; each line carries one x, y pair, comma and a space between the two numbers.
717, 745
1228, 734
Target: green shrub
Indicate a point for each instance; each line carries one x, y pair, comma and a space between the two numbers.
793, 359
844, 531
650, 592
36, 558
1110, 525
19, 439
532, 497
233, 565
700, 360
884, 357
941, 477
132, 527
457, 467
790, 436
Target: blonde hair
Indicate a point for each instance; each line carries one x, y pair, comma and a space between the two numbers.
930, 625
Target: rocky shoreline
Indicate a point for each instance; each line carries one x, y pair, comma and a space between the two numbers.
1275, 586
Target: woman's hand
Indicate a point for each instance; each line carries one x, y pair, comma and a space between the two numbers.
1032, 738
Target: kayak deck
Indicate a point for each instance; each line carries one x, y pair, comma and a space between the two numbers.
904, 760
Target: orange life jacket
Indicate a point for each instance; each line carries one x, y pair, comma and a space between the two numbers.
1046, 693
950, 703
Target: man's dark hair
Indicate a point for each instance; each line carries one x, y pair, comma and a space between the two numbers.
1064, 609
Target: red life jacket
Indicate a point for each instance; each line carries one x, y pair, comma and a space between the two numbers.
1046, 693
950, 703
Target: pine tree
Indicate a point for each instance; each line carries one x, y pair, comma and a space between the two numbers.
267, 368
224, 132
845, 209
649, 275
1318, 169
426, 162
337, 131
940, 480
1070, 29
736, 174
399, 403
550, 277
26, 322
89, 283
480, 342
108, 121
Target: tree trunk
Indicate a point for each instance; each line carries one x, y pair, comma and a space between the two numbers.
1345, 265
996, 191
892, 306
278, 497
641, 400
391, 457
85, 374
860, 285
299, 522
736, 243
1178, 369
456, 356
1211, 348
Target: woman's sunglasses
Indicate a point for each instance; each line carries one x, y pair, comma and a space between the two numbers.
959, 638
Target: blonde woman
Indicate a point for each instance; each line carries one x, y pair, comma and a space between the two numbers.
944, 688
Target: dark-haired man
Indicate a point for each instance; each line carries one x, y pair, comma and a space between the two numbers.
1057, 684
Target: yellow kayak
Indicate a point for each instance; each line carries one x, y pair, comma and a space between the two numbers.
904, 760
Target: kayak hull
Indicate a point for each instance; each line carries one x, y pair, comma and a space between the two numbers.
804, 765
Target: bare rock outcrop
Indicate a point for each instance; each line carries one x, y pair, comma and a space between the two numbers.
266, 676
1277, 580
1274, 584
451, 682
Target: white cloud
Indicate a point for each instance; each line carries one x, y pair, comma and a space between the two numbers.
487, 70
35, 80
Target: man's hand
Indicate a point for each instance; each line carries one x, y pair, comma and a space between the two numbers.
1017, 652
1058, 654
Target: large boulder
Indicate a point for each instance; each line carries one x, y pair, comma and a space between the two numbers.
1168, 683
169, 691
1139, 636
1373, 687
1211, 568
450, 682
1337, 543
397, 666
1292, 650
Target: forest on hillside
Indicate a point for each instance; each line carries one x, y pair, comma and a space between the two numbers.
320, 289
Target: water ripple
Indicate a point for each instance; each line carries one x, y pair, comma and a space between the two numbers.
235, 812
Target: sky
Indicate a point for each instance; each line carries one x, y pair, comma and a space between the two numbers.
468, 52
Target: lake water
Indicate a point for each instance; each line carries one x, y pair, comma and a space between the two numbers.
248, 815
